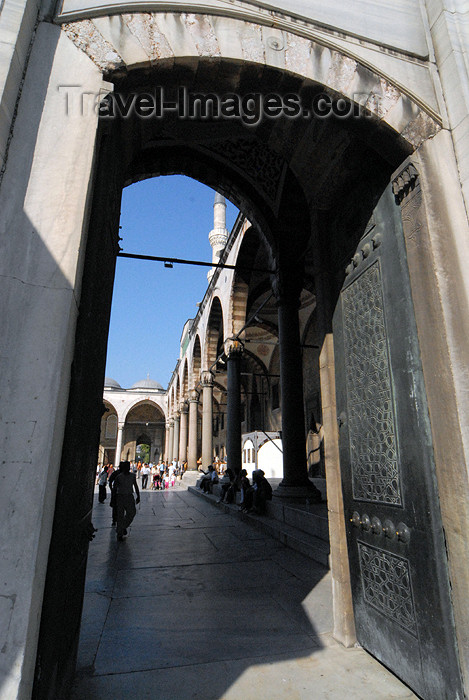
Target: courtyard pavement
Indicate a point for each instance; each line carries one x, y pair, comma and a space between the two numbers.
198, 605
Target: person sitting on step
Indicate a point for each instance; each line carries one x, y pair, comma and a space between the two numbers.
210, 478
228, 486
259, 494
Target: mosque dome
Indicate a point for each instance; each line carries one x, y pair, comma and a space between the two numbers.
147, 384
111, 383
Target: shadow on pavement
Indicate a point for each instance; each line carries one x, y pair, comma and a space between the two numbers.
198, 604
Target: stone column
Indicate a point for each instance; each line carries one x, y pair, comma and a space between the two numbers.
176, 437
295, 484
207, 419
170, 441
120, 430
193, 411
166, 443
233, 352
183, 409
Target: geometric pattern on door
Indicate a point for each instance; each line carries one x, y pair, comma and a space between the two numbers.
372, 425
386, 585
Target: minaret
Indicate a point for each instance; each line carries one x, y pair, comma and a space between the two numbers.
219, 234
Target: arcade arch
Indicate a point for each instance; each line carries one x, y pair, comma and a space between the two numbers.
196, 363
107, 443
144, 423
185, 382
215, 334
134, 418
309, 229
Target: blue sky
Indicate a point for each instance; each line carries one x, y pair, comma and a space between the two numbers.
165, 216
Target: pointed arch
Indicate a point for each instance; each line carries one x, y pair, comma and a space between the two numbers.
215, 333
184, 388
196, 364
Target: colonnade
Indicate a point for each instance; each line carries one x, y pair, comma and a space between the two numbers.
182, 425
181, 441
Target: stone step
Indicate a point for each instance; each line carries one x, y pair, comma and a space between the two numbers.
301, 538
309, 519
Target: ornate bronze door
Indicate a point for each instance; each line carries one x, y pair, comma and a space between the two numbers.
398, 565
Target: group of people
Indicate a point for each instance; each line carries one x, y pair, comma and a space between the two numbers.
162, 475
122, 482
154, 476
254, 496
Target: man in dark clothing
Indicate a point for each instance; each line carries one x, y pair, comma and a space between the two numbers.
125, 483
260, 493
113, 502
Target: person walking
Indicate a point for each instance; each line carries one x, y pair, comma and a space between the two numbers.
145, 472
113, 502
125, 483
102, 481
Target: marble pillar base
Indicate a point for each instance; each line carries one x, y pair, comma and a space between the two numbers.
306, 493
190, 477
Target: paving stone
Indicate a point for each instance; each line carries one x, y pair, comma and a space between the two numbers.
199, 605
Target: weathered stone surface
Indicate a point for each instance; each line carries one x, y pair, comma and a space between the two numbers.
201, 30
165, 35
145, 28
434, 231
87, 37
399, 25
344, 627
251, 42
40, 289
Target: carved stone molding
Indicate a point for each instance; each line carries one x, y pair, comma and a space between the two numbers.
408, 194
194, 396
405, 182
183, 407
218, 237
233, 346
264, 167
206, 378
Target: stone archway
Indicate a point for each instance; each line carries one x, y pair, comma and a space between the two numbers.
108, 435
281, 205
144, 424
347, 184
